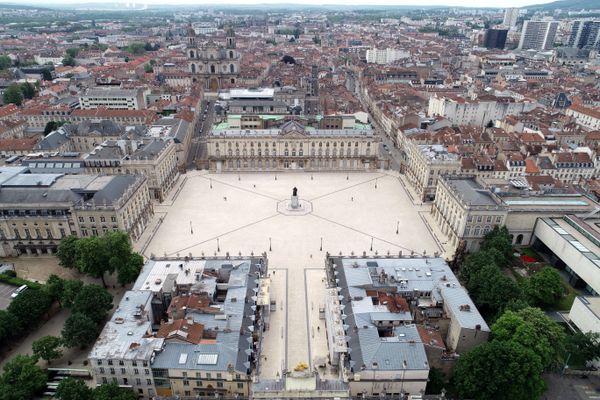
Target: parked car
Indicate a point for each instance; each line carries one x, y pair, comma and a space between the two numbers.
18, 291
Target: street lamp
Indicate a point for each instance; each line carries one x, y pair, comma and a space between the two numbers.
375, 183
191, 229
321, 248
270, 247
218, 246
210, 179
397, 227
371, 244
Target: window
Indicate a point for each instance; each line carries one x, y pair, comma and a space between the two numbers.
186, 382
99, 362
149, 381
110, 362
488, 219
104, 380
92, 219
102, 219
113, 219
240, 385
498, 219
219, 384
101, 370
479, 218
112, 371
81, 219
208, 375
219, 376
121, 362
146, 371
136, 371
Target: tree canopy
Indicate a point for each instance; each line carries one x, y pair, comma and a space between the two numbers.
98, 255
5, 62
93, 301
47, 348
29, 306
499, 370
21, 379
73, 389
13, 94
112, 391
545, 287
79, 330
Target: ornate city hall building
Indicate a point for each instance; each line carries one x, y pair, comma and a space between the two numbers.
213, 64
293, 147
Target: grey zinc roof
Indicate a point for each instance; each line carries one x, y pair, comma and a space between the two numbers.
455, 297
149, 150
472, 192
123, 337
53, 140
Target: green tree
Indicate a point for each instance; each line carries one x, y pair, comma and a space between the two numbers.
584, 347
79, 330
148, 68
474, 262
92, 257
491, 290
135, 48
28, 90
435, 382
73, 389
67, 248
112, 391
5, 62
71, 288
499, 370
21, 379
130, 271
545, 287
72, 52
533, 329
117, 249
29, 306
69, 61
46, 75
9, 326
47, 348
13, 94
499, 239
93, 301
55, 287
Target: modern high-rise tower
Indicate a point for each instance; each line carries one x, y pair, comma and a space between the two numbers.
538, 35
585, 34
510, 17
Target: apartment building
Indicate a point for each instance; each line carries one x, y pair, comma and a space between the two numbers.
538, 35
37, 210
479, 111
385, 56
113, 98
426, 164
381, 301
586, 116
154, 159
179, 130
585, 34
208, 318
511, 15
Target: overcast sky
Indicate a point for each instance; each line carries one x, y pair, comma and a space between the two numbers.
466, 3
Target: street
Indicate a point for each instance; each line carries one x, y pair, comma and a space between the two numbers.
198, 149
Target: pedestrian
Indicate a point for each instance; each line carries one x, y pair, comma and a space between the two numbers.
352, 198
318, 328
254, 186
225, 198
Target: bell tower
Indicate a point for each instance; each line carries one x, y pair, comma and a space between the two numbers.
230, 39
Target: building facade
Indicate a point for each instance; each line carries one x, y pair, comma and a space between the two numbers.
213, 66
111, 98
293, 147
37, 210
538, 35
585, 34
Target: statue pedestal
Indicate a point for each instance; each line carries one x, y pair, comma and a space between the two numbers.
295, 203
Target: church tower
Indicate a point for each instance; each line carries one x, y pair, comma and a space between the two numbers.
230, 39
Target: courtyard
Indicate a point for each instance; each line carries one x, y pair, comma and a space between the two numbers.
369, 212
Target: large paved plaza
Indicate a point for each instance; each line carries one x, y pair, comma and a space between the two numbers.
244, 214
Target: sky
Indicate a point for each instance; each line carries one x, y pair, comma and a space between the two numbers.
464, 3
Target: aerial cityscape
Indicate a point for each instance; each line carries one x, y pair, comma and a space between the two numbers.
300, 200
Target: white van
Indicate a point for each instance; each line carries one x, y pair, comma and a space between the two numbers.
19, 290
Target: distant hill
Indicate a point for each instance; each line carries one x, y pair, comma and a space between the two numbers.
566, 4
